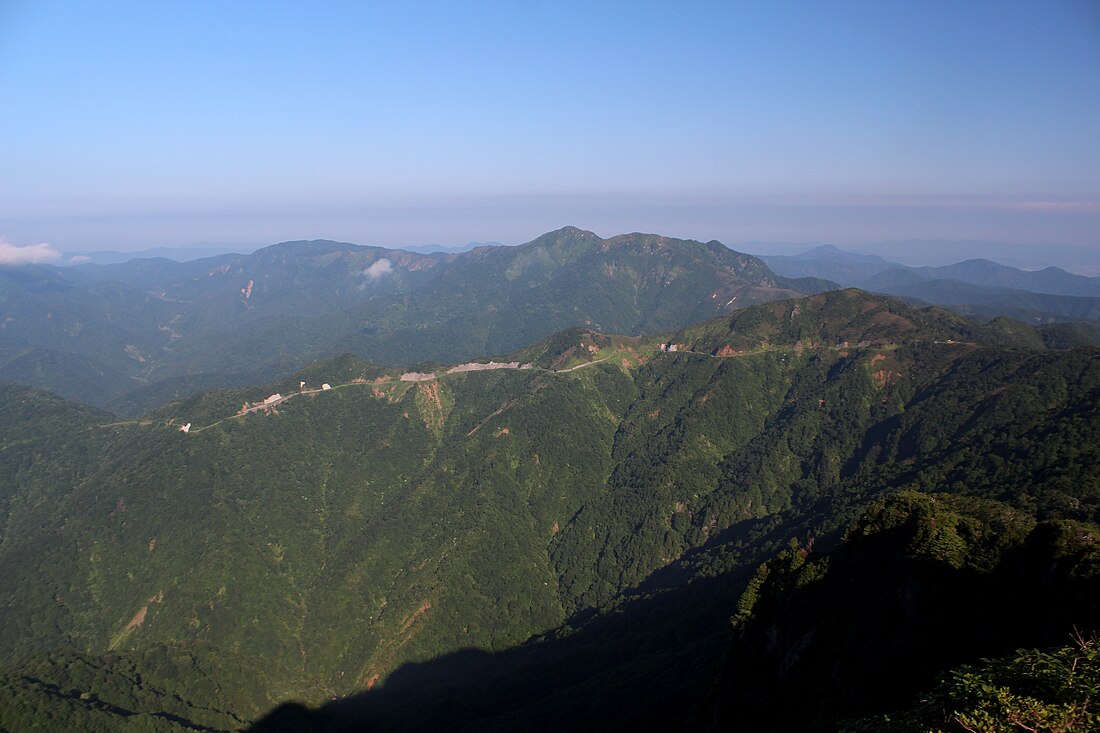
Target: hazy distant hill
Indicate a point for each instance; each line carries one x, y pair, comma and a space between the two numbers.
828, 261
985, 303
939, 252
1050, 281
857, 270
83, 339
159, 328
178, 254
612, 501
425, 249
980, 288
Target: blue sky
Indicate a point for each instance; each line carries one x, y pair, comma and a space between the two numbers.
136, 124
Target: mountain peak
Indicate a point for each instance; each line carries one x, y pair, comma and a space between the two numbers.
567, 235
309, 247
572, 231
981, 262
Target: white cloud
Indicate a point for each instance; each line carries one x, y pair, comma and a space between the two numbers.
378, 269
78, 259
32, 254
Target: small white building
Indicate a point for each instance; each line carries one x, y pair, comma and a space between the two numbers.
185, 428
326, 386
273, 398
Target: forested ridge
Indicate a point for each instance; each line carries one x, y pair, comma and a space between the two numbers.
554, 547
132, 336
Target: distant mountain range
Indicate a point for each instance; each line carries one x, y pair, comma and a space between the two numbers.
450, 249
133, 335
204, 250
178, 254
939, 252
559, 537
977, 287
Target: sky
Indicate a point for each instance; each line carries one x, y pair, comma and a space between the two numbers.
129, 125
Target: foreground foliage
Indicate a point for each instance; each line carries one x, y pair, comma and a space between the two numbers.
920, 583
1054, 691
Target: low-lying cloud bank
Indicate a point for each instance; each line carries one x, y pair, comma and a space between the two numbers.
32, 254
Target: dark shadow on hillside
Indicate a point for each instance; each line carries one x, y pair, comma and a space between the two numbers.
748, 543
642, 666
873, 623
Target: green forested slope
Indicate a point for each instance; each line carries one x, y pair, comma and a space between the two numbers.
47, 445
132, 692
129, 337
318, 547
499, 299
